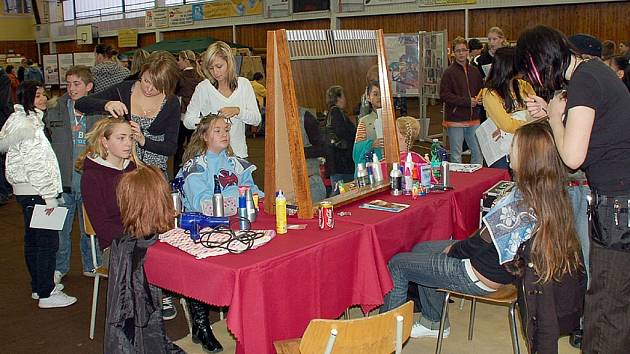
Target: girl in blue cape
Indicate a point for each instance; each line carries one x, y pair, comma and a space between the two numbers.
208, 155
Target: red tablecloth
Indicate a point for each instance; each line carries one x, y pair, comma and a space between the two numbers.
274, 291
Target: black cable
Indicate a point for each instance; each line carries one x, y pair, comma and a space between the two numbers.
246, 238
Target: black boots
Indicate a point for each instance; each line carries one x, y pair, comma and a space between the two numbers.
201, 331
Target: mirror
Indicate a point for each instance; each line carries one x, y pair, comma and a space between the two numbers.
301, 66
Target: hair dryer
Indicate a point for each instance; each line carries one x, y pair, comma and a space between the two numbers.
194, 222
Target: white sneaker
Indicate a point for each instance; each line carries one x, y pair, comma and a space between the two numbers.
420, 331
58, 287
56, 299
91, 273
57, 277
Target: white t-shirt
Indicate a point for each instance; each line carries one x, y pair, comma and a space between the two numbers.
207, 99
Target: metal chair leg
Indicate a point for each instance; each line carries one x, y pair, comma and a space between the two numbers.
184, 304
438, 348
97, 279
513, 328
471, 321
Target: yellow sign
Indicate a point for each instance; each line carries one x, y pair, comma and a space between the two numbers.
127, 38
232, 8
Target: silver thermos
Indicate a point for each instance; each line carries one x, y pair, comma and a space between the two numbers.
446, 175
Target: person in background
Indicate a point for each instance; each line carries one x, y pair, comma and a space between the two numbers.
315, 152
23, 66
588, 46
476, 265
224, 93
504, 95
134, 323
33, 72
609, 48
496, 40
14, 82
620, 65
32, 169
137, 61
261, 93
6, 108
366, 138
589, 122
364, 107
340, 162
67, 128
150, 104
624, 49
190, 78
475, 48
106, 72
123, 60
459, 88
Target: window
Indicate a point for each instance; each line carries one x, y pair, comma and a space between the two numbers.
86, 11
17, 7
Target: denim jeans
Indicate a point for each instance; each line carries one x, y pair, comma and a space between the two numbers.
456, 138
40, 246
73, 202
577, 195
430, 268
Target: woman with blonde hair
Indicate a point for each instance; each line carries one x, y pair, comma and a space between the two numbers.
134, 323
137, 61
149, 103
224, 93
109, 153
496, 40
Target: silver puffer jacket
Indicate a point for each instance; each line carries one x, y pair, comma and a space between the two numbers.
31, 164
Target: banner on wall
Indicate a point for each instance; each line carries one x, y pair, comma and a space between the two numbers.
51, 69
445, 2
231, 8
127, 38
86, 59
276, 8
156, 18
180, 15
65, 62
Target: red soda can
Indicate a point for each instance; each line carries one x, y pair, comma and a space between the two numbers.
326, 216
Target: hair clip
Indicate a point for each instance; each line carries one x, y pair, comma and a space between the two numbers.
534, 70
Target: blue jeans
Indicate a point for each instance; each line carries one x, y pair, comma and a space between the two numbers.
577, 195
73, 202
430, 268
40, 246
456, 138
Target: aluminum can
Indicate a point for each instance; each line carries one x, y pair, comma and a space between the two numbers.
326, 216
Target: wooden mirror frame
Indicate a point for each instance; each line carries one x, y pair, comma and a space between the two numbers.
285, 163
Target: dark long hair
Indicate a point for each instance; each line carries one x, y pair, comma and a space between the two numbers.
543, 55
501, 79
26, 93
621, 63
540, 175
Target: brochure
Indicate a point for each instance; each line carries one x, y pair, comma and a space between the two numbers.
384, 206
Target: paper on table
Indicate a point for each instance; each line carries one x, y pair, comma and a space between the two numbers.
54, 221
378, 124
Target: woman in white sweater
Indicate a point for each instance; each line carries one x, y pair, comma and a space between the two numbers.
33, 171
225, 94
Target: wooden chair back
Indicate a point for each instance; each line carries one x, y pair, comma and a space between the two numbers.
374, 334
87, 225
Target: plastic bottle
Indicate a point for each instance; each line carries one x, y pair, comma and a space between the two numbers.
436, 160
376, 169
281, 213
362, 175
395, 179
408, 174
217, 199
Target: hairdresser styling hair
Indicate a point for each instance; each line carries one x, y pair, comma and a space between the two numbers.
589, 122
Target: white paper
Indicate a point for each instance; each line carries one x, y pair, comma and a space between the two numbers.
494, 142
54, 221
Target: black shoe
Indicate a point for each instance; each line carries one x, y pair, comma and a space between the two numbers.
201, 330
576, 338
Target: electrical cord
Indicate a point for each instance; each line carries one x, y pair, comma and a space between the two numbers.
232, 241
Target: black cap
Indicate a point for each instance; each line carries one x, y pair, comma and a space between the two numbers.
587, 44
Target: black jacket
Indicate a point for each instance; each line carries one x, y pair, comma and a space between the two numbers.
548, 310
340, 160
166, 122
134, 317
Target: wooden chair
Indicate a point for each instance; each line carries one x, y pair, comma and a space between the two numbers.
506, 295
99, 271
379, 334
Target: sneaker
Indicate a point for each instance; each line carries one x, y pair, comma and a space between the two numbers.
90, 273
420, 331
57, 277
58, 287
56, 299
168, 309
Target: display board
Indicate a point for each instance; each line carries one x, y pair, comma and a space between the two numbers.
51, 69
403, 62
433, 47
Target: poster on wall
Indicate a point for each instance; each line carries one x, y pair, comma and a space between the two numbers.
86, 59
232, 8
403, 61
180, 15
51, 69
197, 12
156, 18
65, 62
276, 8
127, 38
